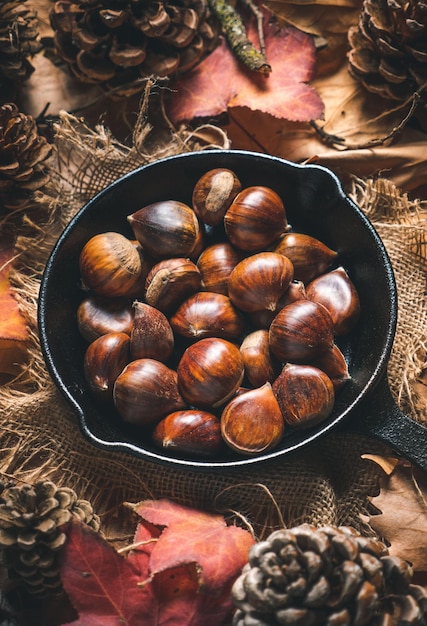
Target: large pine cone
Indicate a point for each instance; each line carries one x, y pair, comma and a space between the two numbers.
19, 41
326, 577
389, 47
31, 517
115, 43
23, 155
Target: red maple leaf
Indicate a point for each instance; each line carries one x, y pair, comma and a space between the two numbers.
101, 584
193, 536
221, 82
170, 578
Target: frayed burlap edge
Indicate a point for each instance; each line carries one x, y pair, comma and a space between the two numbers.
402, 226
39, 437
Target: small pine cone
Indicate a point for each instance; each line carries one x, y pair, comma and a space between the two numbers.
31, 535
116, 43
23, 155
326, 577
19, 41
388, 48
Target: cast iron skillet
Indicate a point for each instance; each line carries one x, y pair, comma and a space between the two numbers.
316, 204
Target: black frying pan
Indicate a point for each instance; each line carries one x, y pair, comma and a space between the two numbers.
315, 204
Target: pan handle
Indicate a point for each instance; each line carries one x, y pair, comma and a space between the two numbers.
380, 417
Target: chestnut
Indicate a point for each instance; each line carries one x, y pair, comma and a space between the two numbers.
170, 282
215, 264
105, 358
213, 193
337, 293
110, 265
146, 391
151, 336
305, 395
207, 314
199, 244
259, 281
301, 331
210, 372
190, 432
166, 229
260, 365
264, 317
255, 219
334, 364
310, 257
147, 262
252, 423
97, 315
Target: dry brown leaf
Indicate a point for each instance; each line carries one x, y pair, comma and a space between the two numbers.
316, 19
351, 114
387, 463
403, 519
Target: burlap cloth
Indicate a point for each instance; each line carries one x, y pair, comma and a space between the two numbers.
39, 437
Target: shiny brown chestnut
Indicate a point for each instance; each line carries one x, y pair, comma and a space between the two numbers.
215, 264
334, 364
301, 331
252, 423
190, 432
210, 372
97, 315
310, 257
105, 358
260, 364
199, 244
305, 395
263, 318
213, 193
147, 262
151, 336
166, 229
207, 314
337, 293
110, 265
259, 281
146, 391
255, 219
170, 282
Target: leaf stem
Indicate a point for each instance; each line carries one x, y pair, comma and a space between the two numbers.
138, 544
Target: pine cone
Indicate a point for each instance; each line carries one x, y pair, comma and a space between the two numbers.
326, 577
115, 43
23, 153
389, 47
19, 41
31, 517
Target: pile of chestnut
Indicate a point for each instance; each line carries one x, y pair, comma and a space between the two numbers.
216, 325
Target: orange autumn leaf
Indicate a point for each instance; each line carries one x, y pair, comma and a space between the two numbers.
13, 331
220, 82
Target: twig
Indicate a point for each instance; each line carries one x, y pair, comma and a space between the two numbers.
234, 30
260, 23
333, 140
